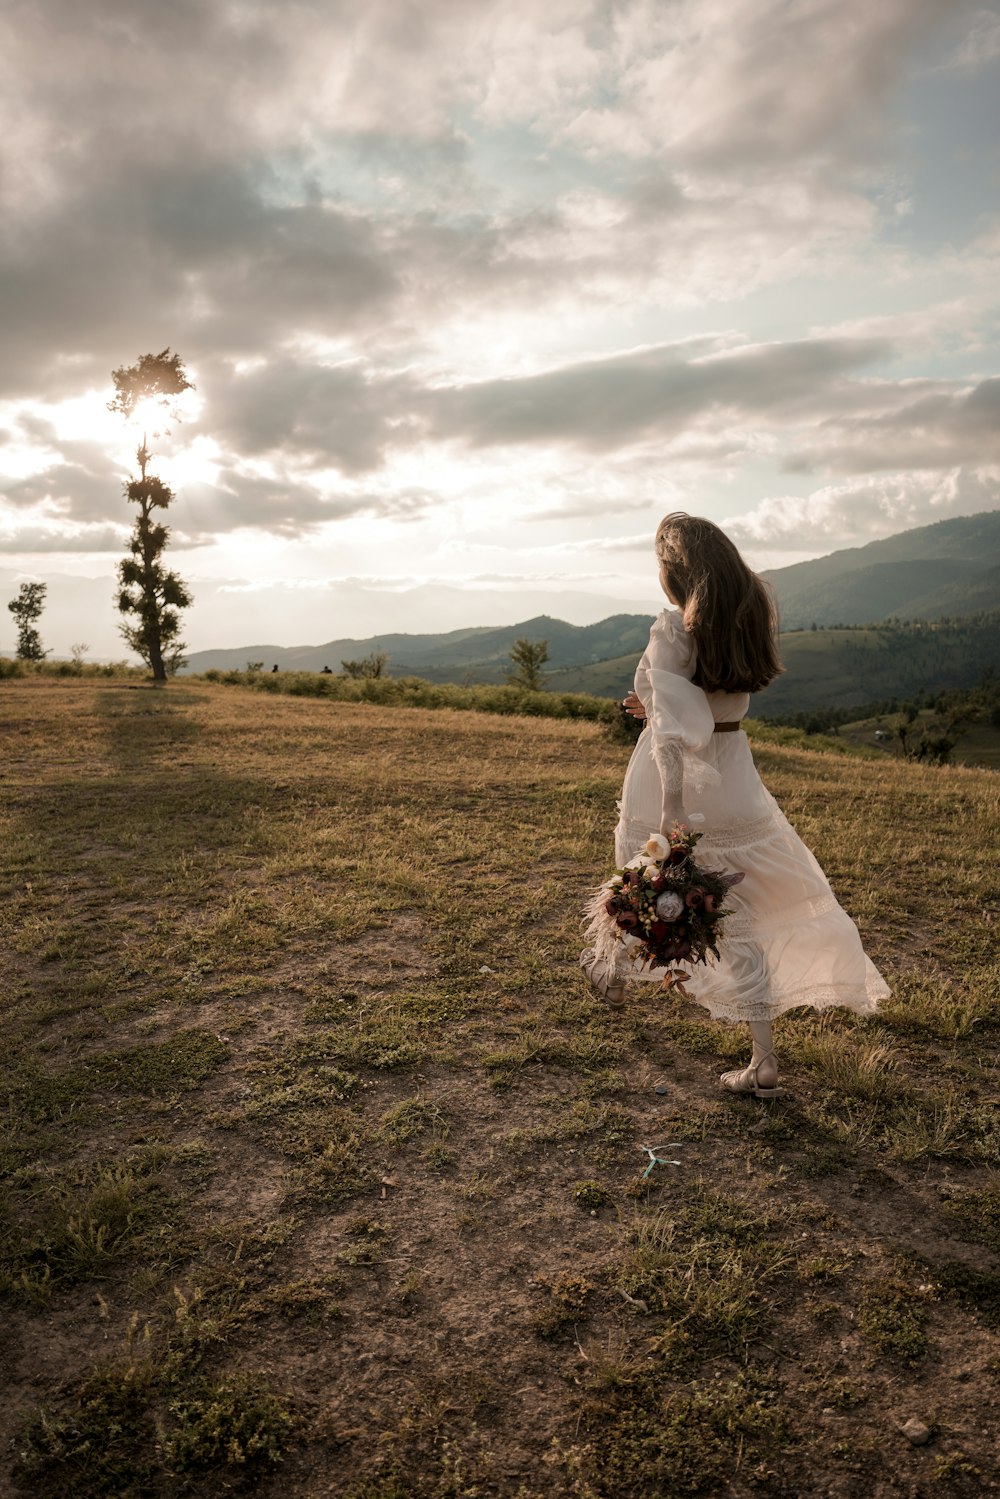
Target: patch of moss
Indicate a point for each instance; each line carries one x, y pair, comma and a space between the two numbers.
837, 1391
161, 1068
702, 1266
956, 1466
978, 1291
438, 1158
976, 1217
570, 1295
591, 1196
127, 1430
649, 1443
311, 1302
893, 1321
102, 1447
60, 1233
412, 1117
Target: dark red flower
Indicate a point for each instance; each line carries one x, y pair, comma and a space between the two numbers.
628, 921
694, 897
611, 906
658, 930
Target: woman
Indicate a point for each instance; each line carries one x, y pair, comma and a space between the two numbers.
788, 942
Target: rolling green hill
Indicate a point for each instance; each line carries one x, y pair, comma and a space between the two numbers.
949, 568
842, 668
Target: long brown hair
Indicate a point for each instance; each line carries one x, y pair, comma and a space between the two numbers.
729, 611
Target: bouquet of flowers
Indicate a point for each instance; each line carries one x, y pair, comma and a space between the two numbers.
662, 906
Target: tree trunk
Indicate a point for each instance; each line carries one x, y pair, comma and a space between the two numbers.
149, 589
156, 661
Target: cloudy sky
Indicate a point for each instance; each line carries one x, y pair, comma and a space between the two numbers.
473, 292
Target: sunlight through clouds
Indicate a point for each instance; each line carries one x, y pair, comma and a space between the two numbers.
470, 289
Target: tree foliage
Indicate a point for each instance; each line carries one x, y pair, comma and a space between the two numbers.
527, 658
27, 611
369, 668
156, 377
150, 596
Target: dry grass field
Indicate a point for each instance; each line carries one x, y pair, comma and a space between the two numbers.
324, 1175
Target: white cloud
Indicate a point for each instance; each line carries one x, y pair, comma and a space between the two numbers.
979, 47
933, 429
864, 509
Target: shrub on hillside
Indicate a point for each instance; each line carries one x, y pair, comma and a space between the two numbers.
88, 669
506, 699
414, 692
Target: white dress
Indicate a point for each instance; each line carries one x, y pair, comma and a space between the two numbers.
788, 942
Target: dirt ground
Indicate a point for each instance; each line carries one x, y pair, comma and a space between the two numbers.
326, 1174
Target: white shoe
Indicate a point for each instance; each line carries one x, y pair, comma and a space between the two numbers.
602, 980
745, 1081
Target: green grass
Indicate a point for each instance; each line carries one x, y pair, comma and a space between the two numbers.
322, 1167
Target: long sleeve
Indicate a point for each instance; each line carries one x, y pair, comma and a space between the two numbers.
678, 713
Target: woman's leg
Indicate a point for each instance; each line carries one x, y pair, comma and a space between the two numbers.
762, 1073
763, 1057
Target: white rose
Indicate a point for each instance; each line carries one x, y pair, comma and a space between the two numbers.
657, 847
669, 905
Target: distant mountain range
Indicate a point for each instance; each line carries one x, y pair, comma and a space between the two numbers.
481, 654
949, 569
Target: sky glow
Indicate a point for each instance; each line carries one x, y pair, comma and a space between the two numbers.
472, 293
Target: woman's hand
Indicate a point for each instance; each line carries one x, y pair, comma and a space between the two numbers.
633, 704
672, 811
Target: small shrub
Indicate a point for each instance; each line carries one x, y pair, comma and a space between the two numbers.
236, 1423
570, 1295
103, 1445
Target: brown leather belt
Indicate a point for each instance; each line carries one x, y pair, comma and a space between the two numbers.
728, 728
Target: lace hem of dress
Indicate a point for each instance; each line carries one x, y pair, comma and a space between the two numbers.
816, 996
737, 1010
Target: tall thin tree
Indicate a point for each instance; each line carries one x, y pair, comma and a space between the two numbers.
149, 595
27, 611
